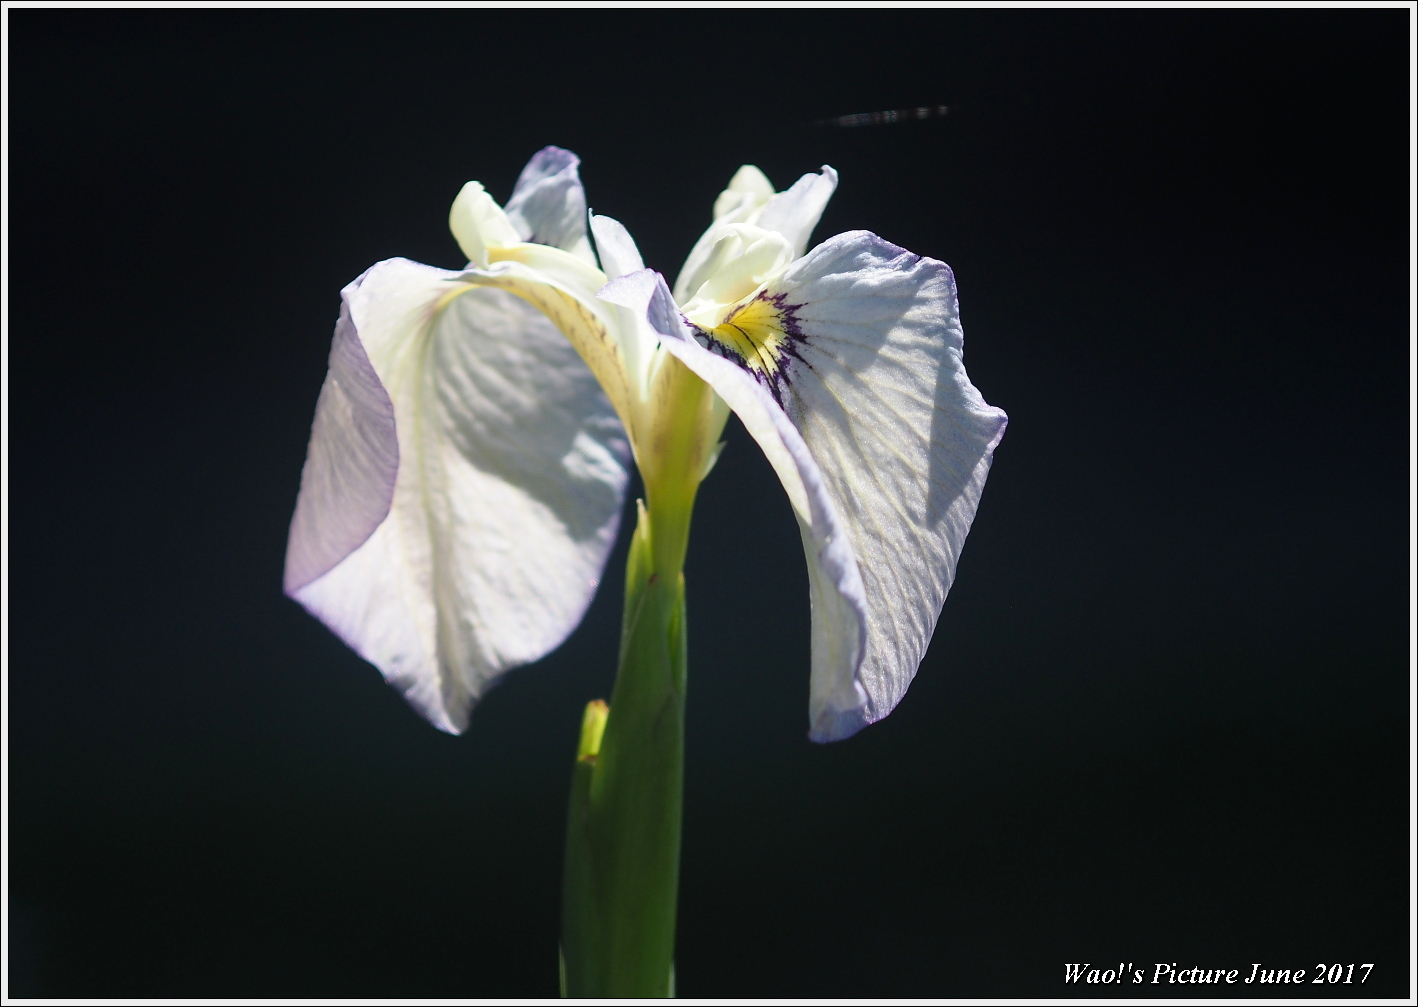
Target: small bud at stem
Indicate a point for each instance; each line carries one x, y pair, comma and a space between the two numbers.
593, 726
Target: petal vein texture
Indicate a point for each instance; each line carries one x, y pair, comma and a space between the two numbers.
879, 438
875, 382
839, 615
511, 469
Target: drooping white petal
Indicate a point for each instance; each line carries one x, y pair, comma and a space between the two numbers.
870, 371
548, 206
559, 284
351, 465
562, 287
838, 704
749, 199
512, 469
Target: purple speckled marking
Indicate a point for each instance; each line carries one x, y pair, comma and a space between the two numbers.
777, 381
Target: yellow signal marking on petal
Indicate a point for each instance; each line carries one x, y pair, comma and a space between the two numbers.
755, 331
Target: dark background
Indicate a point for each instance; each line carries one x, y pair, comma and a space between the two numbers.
1165, 713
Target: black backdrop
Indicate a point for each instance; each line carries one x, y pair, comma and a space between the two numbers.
1164, 717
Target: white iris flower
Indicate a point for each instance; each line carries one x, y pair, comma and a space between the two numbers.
468, 460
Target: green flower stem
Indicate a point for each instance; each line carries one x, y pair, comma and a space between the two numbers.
578, 903
627, 790
623, 829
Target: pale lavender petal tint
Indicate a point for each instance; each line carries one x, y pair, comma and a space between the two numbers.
880, 439
347, 485
548, 205
466, 473
838, 706
876, 384
511, 475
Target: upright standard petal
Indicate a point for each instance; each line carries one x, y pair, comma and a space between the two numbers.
794, 213
480, 226
548, 206
750, 199
619, 255
511, 474
617, 249
745, 195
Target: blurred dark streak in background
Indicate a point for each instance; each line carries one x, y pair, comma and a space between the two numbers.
890, 117
1164, 717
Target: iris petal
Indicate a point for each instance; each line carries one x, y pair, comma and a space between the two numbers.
837, 703
874, 379
479, 224
795, 212
548, 205
619, 256
512, 468
347, 485
867, 415
749, 199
